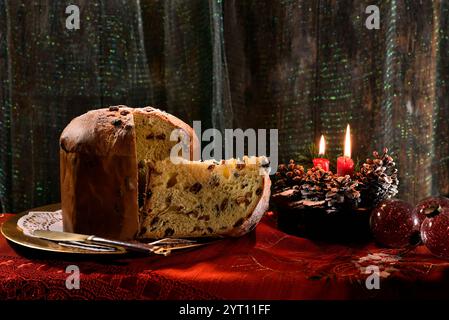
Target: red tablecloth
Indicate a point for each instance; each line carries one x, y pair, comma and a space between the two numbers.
266, 264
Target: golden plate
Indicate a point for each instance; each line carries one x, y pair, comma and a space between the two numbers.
13, 233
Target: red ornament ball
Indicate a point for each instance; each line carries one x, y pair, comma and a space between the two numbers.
428, 205
435, 232
395, 224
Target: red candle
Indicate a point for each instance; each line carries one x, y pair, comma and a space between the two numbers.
345, 165
322, 162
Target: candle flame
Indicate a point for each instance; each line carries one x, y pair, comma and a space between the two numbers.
322, 146
347, 152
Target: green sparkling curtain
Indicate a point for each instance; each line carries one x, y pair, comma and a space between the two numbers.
305, 67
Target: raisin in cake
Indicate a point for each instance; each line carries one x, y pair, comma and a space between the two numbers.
204, 199
116, 176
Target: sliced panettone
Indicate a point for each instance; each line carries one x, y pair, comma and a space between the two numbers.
205, 199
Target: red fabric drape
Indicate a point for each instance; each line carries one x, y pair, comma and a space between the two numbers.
266, 264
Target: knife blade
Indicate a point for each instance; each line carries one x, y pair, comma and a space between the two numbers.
69, 237
88, 246
59, 235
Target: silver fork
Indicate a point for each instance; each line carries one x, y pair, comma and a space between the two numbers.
168, 244
161, 247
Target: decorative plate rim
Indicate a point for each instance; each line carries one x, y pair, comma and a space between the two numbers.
12, 232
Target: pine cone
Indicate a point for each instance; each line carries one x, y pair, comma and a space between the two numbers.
288, 175
316, 184
378, 178
337, 191
343, 191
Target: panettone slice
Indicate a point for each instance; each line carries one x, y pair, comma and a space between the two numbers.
205, 199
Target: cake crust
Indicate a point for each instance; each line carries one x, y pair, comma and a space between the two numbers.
257, 213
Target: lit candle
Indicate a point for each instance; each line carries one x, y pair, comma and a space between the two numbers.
322, 162
345, 165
